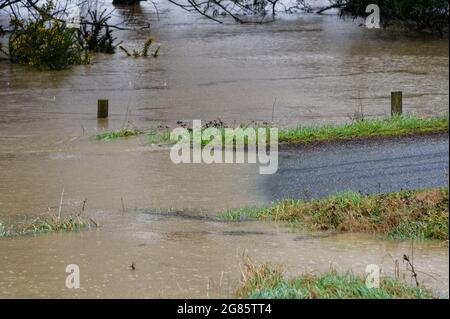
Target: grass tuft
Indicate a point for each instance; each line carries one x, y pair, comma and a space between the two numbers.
398, 215
159, 137
47, 224
267, 282
112, 135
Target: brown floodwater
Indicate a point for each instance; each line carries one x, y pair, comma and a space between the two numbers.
193, 258
315, 69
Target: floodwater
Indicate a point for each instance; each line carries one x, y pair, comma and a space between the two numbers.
312, 68
193, 258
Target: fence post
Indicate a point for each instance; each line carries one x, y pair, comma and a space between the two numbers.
102, 109
396, 103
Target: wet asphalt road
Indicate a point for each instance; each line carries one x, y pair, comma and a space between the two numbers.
369, 166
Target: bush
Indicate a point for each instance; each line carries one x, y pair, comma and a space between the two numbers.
421, 15
45, 43
96, 36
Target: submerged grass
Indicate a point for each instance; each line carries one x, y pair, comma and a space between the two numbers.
46, 224
267, 282
398, 125
399, 215
159, 137
112, 135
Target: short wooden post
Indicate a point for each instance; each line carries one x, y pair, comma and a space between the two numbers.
102, 109
396, 103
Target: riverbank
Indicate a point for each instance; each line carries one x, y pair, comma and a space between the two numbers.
267, 282
398, 215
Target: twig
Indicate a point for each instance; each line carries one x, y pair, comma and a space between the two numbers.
412, 270
123, 205
273, 109
334, 6
60, 204
156, 9
83, 206
93, 221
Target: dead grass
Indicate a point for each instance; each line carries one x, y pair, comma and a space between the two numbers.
47, 223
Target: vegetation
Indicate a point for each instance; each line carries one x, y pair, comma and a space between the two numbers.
112, 135
422, 15
97, 36
45, 42
46, 38
398, 125
46, 224
158, 137
267, 282
238, 138
142, 53
398, 215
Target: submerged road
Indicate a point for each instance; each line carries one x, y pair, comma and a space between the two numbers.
369, 166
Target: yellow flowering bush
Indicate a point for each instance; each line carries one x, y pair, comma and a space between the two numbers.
45, 43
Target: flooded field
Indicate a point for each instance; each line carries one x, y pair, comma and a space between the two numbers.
314, 68
189, 258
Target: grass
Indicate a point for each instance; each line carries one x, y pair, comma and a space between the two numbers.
239, 138
46, 224
267, 282
398, 125
112, 135
159, 137
399, 215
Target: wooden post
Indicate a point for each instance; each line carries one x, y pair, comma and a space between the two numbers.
102, 109
396, 103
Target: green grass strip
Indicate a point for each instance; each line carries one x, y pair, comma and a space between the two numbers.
398, 215
399, 125
113, 135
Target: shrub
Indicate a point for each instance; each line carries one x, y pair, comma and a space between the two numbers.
96, 36
421, 15
45, 43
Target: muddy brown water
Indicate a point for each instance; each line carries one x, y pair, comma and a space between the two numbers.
187, 258
317, 68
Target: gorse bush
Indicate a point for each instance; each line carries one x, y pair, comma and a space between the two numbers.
45, 43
